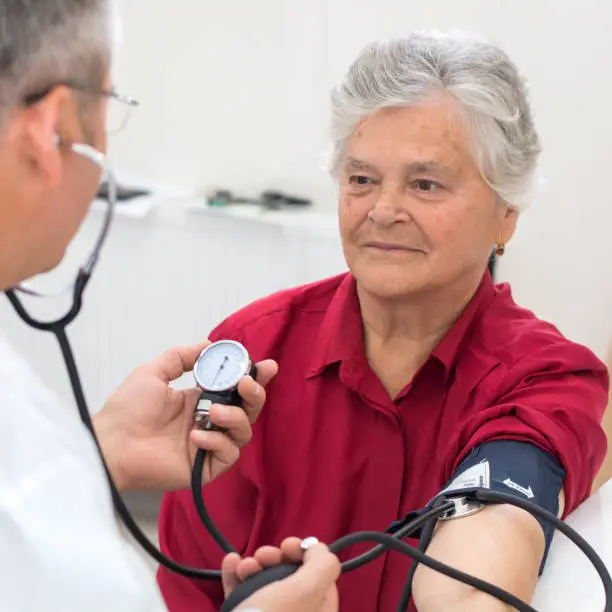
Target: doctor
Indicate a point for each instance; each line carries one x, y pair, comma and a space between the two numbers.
61, 547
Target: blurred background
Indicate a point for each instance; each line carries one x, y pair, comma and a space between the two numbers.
234, 96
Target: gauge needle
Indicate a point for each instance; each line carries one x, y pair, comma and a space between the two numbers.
220, 370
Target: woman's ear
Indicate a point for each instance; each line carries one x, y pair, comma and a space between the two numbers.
508, 224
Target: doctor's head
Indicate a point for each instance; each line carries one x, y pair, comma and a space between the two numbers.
55, 58
435, 152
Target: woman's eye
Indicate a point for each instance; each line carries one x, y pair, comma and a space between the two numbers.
426, 185
360, 180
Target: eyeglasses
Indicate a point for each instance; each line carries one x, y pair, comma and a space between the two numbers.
119, 107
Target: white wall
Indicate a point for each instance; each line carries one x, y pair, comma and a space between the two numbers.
165, 280
231, 93
234, 94
559, 261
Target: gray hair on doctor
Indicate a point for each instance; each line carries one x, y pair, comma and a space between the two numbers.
44, 43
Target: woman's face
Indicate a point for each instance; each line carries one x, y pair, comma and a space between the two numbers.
415, 213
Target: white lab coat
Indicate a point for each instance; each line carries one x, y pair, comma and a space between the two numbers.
60, 546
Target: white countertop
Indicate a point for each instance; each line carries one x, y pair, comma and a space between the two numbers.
170, 203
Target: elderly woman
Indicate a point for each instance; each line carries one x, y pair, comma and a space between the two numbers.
401, 374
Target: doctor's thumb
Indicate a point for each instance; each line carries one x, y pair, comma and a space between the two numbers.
320, 570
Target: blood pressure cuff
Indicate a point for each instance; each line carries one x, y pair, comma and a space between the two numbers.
509, 466
517, 468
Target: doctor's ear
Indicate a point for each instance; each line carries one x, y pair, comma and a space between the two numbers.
36, 132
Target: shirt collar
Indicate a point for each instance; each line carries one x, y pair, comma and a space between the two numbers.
340, 337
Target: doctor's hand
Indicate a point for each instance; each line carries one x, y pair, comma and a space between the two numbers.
146, 428
312, 588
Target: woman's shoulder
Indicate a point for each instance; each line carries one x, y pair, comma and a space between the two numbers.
516, 335
265, 324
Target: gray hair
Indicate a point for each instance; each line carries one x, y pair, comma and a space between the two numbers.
479, 75
47, 42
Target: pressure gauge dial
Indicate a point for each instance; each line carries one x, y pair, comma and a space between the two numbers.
221, 365
217, 372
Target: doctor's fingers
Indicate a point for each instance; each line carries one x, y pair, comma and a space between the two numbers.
266, 556
172, 364
253, 392
229, 572
319, 571
234, 421
266, 371
222, 452
290, 551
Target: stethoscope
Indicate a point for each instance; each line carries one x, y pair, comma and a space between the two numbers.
58, 328
217, 372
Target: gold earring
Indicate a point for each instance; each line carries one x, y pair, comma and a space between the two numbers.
500, 249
